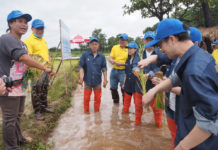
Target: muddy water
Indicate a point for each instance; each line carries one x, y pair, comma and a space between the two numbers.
108, 129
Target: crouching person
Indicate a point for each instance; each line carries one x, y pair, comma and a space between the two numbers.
132, 85
92, 65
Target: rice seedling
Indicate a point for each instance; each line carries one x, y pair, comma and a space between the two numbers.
160, 97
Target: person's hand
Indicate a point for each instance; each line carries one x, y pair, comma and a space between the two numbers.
136, 73
143, 63
80, 82
47, 70
105, 83
2, 87
148, 97
180, 147
123, 86
118, 64
156, 80
112, 62
53, 73
9, 90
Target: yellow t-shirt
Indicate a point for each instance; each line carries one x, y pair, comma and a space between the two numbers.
37, 46
120, 55
215, 55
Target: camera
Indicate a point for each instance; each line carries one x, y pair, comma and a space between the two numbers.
8, 81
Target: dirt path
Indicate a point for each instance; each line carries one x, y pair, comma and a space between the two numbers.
107, 129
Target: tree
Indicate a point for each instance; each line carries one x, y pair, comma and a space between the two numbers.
153, 28
111, 42
84, 46
138, 40
156, 8
206, 10
102, 38
196, 17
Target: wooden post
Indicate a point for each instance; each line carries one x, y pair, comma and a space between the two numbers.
65, 79
71, 73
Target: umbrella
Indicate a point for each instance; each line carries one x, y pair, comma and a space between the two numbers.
79, 40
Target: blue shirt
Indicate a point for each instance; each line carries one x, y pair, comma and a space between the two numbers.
93, 67
198, 103
151, 69
132, 83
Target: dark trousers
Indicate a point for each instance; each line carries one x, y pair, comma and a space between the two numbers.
12, 110
39, 98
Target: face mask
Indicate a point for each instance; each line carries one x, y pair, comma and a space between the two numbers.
37, 36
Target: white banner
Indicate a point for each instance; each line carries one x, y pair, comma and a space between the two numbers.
65, 41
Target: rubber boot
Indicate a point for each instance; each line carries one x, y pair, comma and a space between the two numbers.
173, 128
97, 99
138, 107
44, 93
115, 95
44, 101
122, 91
127, 102
157, 115
36, 98
87, 95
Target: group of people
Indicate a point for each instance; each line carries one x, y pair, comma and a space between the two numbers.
15, 58
190, 81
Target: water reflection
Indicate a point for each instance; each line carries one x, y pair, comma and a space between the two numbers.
108, 129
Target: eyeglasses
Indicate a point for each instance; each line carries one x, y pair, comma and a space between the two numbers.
159, 44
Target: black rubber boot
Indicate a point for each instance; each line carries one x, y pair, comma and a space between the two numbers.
122, 91
115, 95
36, 99
44, 101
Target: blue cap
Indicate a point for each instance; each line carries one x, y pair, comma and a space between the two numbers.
150, 34
165, 29
132, 45
37, 23
215, 42
17, 14
195, 35
124, 36
93, 39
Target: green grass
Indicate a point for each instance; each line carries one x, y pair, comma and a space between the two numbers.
79, 53
76, 53
58, 99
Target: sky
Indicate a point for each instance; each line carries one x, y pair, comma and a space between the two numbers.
81, 17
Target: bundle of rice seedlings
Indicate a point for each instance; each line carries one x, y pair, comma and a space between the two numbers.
142, 79
35, 74
160, 97
140, 74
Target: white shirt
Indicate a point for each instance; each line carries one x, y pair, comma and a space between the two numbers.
148, 54
172, 96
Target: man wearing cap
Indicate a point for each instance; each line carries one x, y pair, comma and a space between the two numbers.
92, 65
196, 110
215, 51
118, 56
37, 45
14, 60
173, 95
